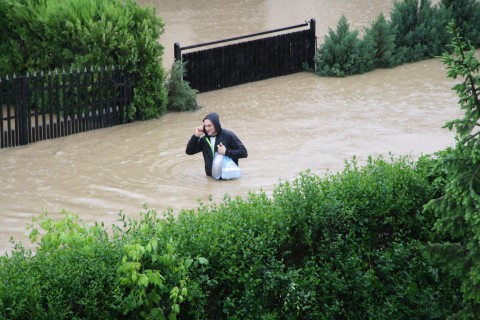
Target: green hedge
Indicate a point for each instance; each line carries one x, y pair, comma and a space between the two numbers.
42, 35
344, 246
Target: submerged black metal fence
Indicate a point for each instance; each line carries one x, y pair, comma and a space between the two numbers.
254, 60
45, 106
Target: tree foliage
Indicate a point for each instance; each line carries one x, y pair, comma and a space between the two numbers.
458, 209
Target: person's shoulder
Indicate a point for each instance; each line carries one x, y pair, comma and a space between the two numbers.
227, 132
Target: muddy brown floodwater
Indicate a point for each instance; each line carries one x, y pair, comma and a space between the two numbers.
288, 124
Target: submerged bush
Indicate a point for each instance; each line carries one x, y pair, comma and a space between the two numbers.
343, 53
415, 31
384, 42
181, 97
420, 30
466, 15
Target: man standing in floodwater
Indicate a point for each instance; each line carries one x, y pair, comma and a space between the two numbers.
210, 138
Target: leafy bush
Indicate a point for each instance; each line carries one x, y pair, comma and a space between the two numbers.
363, 230
343, 53
415, 31
466, 15
84, 272
181, 97
71, 274
384, 39
44, 35
347, 246
344, 246
420, 29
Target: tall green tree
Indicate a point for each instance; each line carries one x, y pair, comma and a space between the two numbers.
458, 209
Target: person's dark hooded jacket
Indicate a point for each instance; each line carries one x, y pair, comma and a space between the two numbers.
235, 148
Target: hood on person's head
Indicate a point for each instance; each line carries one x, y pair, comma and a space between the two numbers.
215, 120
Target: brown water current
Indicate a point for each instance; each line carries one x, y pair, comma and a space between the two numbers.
288, 124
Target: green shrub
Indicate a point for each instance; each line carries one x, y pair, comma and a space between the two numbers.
362, 233
384, 39
154, 273
46, 34
466, 15
83, 272
72, 273
181, 97
415, 31
240, 238
343, 53
420, 30
347, 245
6, 55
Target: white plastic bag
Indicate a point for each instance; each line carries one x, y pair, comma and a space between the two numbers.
230, 170
217, 166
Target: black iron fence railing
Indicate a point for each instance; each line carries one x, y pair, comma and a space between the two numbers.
243, 62
45, 106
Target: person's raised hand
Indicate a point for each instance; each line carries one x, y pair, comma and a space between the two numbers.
199, 131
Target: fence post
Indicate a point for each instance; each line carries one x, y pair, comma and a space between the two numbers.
21, 106
177, 51
313, 39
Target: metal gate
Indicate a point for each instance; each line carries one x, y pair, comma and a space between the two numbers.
248, 61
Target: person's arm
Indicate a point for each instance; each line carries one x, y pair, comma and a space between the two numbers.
195, 144
237, 150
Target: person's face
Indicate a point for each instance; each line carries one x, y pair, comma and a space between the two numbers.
209, 127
